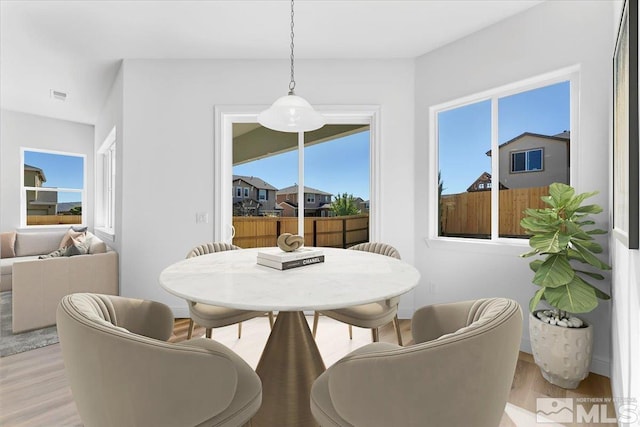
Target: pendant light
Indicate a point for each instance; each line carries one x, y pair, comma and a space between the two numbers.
291, 113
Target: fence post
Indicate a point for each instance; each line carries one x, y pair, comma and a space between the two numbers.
344, 233
315, 231
277, 229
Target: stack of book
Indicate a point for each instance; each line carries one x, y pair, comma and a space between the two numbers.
278, 259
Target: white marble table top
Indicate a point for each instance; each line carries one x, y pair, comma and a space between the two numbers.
234, 279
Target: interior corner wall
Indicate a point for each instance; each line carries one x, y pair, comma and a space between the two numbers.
168, 139
27, 130
111, 116
545, 38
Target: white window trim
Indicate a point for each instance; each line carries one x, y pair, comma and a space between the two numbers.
571, 74
226, 115
105, 221
23, 189
265, 194
310, 198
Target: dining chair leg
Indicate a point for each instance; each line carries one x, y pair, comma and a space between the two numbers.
350, 332
396, 326
315, 324
374, 334
239, 330
207, 332
271, 319
190, 331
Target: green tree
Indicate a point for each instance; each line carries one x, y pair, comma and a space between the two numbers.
77, 210
344, 204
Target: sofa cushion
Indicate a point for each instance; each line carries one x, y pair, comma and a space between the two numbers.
37, 243
7, 243
95, 245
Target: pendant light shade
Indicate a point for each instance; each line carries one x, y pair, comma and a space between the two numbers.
291, 113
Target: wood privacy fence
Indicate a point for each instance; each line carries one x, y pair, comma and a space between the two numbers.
53, 219
337, 232
469, 214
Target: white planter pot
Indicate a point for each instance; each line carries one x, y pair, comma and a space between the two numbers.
563, 354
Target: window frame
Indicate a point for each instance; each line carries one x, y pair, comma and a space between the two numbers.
526, 160
106, 170
570, 74
238, 193
263, 191
226, 115
309, 197
246, 193
24, 189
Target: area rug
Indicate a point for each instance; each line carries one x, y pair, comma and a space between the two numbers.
11, 343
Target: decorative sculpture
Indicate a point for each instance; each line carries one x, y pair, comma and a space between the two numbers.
290, 242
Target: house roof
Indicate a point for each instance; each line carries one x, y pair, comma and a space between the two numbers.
255, 182
293, 189
287, 202
35, 169
560, 137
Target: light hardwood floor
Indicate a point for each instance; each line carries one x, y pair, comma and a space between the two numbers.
34, 390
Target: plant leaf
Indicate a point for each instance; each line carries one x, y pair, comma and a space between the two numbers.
575, 297
536, 299
554, 271
535, 265
590, 245
590, 209
597, 276
590, 258
561, 193
550, 243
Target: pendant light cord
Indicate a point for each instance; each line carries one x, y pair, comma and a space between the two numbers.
292, 83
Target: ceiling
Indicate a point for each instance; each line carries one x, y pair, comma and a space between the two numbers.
76, 46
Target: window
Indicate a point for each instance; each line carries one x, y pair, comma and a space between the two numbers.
53, 189
246, 192
501, 137
311, 198
527, 161
239, 192
262, 194
106, 184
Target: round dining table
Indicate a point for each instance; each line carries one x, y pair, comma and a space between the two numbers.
290, 361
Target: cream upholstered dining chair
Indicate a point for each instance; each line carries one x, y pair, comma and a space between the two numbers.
372, 315
122, 372
212, 316
458, 372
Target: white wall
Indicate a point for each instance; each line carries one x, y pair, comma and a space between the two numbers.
168, 143
625, 330
545, 38
27, 130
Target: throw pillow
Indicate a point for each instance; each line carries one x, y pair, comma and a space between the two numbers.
8, 244
73, 237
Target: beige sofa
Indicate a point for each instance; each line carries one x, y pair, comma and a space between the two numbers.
38, 285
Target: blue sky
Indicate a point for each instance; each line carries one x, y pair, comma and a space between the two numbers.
61, 171
337, 166
465, 132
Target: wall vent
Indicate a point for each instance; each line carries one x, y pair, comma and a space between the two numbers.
56, 94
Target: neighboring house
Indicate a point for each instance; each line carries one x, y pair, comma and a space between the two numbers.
253, 196
363, 205
316, 203
534, 160
39, 202
483, 183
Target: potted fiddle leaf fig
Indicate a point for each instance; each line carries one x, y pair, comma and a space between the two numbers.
566, 263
